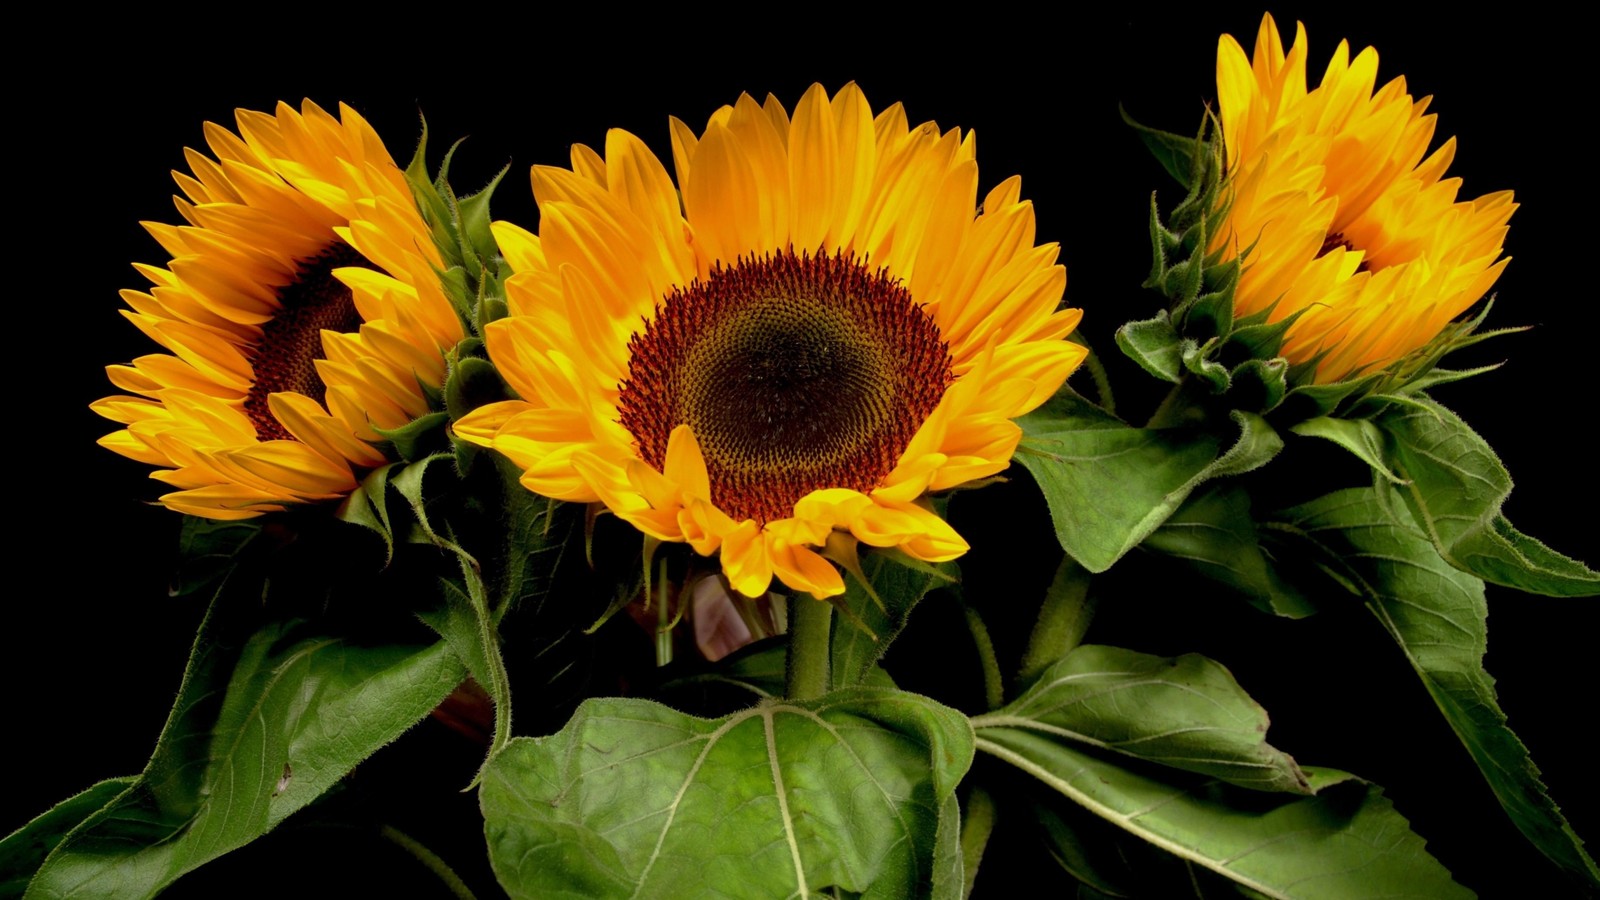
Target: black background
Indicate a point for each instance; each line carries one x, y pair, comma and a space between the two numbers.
94, 648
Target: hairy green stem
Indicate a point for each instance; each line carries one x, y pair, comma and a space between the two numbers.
1097, 373
976, 826
1064, 616
810, 622
429, 859
993, 684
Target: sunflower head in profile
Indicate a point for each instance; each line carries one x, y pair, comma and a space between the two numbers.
1342, 217
299, 313
828, 327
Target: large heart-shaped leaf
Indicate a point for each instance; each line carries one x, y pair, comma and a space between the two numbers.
1186, 712
1455, 486
1347, 841
634, 799
1439, 618
266, 720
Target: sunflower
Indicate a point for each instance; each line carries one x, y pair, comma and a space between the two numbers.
1339, 212
826, 329
300, 313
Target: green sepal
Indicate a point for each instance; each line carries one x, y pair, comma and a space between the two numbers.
786, 798
368, 507
421, 437
1182, 157
473, 382
1197, 359
1259, 384
1155, 345
1209, 314
1454, 485
1439, 618
475, 220
1214, 532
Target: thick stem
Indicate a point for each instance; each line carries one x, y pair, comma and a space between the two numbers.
1064, 616
810, 622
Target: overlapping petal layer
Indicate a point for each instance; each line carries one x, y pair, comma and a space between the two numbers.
832, 188
299, 312
1341, 214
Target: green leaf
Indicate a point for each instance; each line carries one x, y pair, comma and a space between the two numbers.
1456, 488
1186, 712
207, 549
25, 849
1438, 616
949, 875
268, 718
634, 799
855, 652
475, 218
1214, 532
1359, 436
1347, 841
1155, 345
1108, 485
1083, 851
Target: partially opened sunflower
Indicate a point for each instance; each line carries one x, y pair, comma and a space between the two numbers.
300, 312
828, 327
1338, 215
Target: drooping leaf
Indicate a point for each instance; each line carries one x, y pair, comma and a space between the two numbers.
1346, 841
1214, 532
1438, 616
1075, 457
861, 637
22, 852
634, 799
1455, 489
268, 718
1359, 436
1186, 712
206, 549
1108, 486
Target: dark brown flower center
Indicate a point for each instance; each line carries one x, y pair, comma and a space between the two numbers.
795, 372
285, 358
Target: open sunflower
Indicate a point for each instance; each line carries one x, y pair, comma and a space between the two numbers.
828, 327
1337, 213
300, 312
